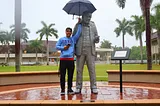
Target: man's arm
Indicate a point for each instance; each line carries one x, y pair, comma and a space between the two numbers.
59, 46
76, 36
75, 29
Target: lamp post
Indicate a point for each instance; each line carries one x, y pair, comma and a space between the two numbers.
17, 33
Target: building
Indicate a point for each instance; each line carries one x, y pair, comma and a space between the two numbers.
29, 57
104, 54
155, 47
7, 53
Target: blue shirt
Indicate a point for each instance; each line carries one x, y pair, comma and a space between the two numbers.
69, 53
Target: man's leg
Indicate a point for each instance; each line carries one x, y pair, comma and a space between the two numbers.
62, 73
70, 68
79, 75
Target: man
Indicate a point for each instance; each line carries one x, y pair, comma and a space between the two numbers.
66, 45
85, 52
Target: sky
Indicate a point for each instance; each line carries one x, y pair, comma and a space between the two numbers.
50, 11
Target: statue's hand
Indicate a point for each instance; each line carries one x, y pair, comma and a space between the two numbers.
96, 40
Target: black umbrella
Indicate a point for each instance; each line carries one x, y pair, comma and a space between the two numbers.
77, 7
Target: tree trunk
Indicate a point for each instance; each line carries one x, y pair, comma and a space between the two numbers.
47, 53
141, 47
17, 33
123, 48
158, 39
8, 53
36, 57
21, 54
5, 60
123, 41
148, 34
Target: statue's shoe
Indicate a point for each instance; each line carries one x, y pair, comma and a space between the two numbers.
95, 91
77, 91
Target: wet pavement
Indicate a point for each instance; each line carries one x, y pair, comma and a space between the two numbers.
131, 91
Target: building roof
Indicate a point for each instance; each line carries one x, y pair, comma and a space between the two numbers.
103, 50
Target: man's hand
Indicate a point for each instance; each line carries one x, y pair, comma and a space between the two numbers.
79, 21
66, 47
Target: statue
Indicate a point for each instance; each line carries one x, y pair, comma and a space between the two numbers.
85, 52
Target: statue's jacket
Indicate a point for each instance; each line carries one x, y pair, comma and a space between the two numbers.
93, 34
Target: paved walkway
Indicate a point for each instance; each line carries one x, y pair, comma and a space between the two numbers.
106, 91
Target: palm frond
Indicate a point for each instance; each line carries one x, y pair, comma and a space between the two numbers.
118, 21
121, 3
41, 36
51, 25
39, 31
44, 24
26, 30
117, 31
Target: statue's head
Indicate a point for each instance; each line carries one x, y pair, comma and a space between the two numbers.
86, 17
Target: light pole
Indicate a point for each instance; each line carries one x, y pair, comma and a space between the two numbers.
17, 33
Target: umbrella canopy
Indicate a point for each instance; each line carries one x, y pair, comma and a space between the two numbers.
77, 7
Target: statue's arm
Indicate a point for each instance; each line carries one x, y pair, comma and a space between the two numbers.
96, 37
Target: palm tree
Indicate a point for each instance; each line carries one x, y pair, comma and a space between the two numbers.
8, 37
47, 31
145, 7
105, 44
121, 4
2, 41
142, 5
24, 32
36, 45
2, 37
23, 36
123, 28
138, 26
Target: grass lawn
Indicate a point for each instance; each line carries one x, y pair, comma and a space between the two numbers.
100, 69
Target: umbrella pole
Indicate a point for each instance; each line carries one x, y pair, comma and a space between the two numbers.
79, 9
73, 17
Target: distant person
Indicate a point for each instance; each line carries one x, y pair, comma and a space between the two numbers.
66, 45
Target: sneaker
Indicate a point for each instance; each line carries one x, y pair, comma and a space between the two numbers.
95, 91
78, 91
62, 92
71, 92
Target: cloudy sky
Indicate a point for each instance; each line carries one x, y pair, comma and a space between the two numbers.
50, 11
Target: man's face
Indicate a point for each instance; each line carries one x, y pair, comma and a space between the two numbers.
68, 33
86, 18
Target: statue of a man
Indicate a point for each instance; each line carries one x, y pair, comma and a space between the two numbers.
85, 52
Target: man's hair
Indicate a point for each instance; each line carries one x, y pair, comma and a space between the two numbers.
68, 28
